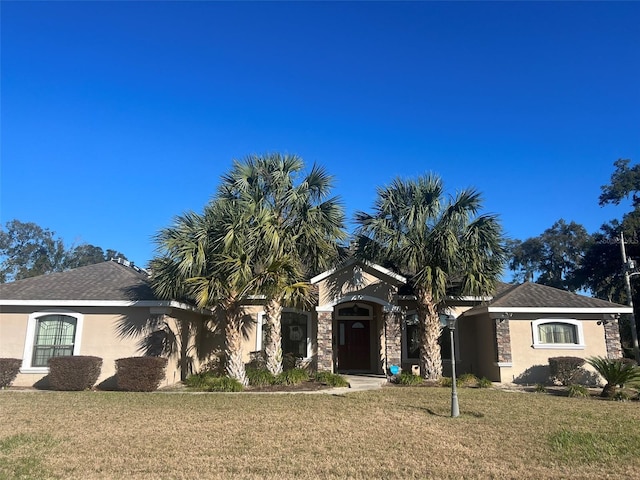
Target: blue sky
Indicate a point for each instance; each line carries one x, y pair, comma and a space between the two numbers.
117, 116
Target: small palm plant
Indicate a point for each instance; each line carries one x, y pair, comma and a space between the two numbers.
615, 372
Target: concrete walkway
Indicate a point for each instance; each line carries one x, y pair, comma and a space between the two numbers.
357, 383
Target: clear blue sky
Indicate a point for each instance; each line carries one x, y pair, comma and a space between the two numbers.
117, 116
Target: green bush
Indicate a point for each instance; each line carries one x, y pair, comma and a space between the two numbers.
622, 396
564, 369
484, 382
445, 382
577, 391
294, 376
74, 373
197, 380
615, 372
9, 368
260, 377
408, 378
331, 379
221, 384
540, 388
140, 374
467, 380
210, 382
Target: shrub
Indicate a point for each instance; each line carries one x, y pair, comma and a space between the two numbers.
540, 388
210, 382
9, 368
331, 379
577, 391
140, 374
622, 396
467, 380
196, 380
408, 378
564, 369
615, 372
257, 360
260, 377
221, 384
74, 372
294, 376
484, 382
446, 382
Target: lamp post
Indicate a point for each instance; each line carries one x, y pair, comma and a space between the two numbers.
627, 267
450, 321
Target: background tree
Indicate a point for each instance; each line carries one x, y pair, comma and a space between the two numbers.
28, 250
553, 257
296, 229
438, 241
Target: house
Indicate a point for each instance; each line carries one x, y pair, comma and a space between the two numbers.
365, 321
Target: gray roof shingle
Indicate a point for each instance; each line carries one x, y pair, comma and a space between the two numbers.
102, 281
534, 295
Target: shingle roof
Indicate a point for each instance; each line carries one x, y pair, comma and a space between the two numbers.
535, 295
102, 281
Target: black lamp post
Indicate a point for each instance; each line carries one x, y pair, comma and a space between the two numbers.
450, 322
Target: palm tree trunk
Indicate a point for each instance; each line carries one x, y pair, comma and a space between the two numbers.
430, 330
609, 390
233, 333
273, 347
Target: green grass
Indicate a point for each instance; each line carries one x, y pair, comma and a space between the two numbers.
399, 433
595, 447
21, 456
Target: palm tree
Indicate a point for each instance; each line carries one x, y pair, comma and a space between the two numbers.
615, 372
439, 242
205, 259
295, 227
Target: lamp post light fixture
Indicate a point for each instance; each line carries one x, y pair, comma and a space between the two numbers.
450, 322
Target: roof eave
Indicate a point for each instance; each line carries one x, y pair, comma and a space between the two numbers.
550, 310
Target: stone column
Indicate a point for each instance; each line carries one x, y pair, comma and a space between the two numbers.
325, 340
503, 340
393, 337
612, 337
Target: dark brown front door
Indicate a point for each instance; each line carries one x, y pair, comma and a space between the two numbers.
354, 344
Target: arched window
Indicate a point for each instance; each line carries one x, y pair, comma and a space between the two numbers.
51, 334
557, 333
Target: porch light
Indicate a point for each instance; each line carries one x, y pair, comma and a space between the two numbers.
450, 322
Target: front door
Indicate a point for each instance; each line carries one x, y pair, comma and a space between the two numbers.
354, 345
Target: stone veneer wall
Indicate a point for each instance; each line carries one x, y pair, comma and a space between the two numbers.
612, 339
325, 341
393, 340
503, 340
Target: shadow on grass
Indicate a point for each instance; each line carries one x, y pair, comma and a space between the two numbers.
448, 414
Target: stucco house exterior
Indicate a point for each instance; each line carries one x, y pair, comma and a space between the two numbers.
365, 321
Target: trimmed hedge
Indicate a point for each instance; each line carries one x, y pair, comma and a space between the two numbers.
140, 374
74, 373
565, 369
9, 368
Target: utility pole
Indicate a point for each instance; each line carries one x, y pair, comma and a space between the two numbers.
626, 266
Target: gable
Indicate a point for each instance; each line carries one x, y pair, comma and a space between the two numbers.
357, 280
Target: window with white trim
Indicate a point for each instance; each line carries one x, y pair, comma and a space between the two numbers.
296, 329
50, 334
557, 333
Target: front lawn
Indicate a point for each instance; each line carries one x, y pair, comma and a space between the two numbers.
390, 433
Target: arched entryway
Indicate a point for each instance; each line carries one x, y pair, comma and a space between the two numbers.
354, 323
